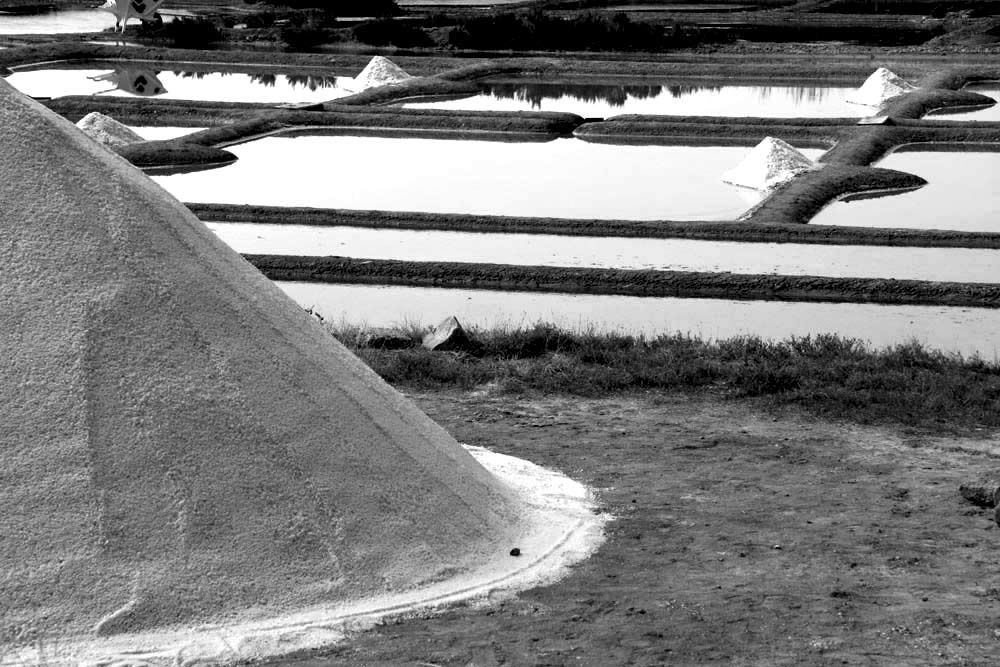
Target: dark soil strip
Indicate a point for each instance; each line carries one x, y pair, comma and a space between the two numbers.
174, 154
240, 121
920, 102
677, 130
805, 196
745, 232
625, 282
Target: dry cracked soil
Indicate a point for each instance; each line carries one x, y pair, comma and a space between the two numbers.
740, 536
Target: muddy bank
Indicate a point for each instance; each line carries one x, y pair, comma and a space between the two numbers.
625, 282
805, 196
869, 144
233, 122
921, 102
173, 156
675, 130
759, 230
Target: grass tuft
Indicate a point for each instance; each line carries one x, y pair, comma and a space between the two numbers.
826, 374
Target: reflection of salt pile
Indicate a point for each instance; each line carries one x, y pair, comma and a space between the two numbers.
106, 130
183, 445
771, 163
380, 71
882, 85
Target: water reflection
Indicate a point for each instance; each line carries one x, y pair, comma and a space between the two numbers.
673, 98
133, 81
261, 87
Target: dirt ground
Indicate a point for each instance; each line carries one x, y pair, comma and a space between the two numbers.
740, 537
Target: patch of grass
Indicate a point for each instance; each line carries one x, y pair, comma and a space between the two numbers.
826, 374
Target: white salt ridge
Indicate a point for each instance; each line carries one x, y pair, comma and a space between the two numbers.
881, 86
380, 71
106, 130
771, 163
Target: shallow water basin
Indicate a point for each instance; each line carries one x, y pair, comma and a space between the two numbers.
947, 264
668, 98
565, 178
963, 330
961, 194
138, 80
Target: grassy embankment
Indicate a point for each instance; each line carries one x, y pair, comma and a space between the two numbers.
827, 375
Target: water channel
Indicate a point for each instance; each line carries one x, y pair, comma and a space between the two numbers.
946, 264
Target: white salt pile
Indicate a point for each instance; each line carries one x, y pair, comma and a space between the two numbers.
771, 163
190, 465
882, 85
106, 130
380, 71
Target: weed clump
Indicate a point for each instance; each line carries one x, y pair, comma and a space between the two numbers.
826, 374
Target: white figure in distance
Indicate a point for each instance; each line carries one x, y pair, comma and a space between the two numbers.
126, 9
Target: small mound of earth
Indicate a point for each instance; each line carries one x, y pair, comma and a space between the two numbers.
106, 130
380, 71
771, 163
881, 86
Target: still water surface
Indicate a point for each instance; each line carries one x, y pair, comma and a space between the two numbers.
948, 264
964, 330
143, 81
565, 178
67, 21
961, 194
603, 101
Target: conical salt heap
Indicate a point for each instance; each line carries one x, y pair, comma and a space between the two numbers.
180, 442
771, 163
882, 85
380, 71
106, 130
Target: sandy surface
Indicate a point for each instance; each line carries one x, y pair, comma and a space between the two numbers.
741, 538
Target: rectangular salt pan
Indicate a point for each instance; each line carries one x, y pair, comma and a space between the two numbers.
562, 178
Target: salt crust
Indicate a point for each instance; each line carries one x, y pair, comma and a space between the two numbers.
106, 130
771, 163
881, 86
380, 71
561, 527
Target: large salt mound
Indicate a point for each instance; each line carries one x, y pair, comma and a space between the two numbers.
380, 71
882, 85
182, 446
106, 130
771, 163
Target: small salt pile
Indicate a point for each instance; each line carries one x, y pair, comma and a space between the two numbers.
882, 85
771, 163
380, 71
106, 130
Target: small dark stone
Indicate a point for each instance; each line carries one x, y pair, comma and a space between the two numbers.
515, 552
982, 491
